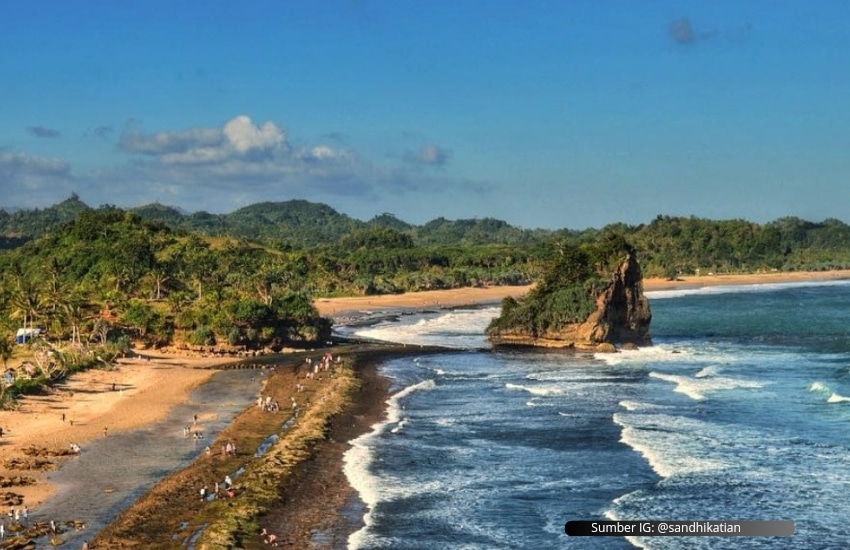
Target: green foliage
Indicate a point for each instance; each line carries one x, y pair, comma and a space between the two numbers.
202, 336
568, 289
166, 273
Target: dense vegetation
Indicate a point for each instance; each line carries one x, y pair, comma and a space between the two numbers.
567, 290
108, 274
156, 275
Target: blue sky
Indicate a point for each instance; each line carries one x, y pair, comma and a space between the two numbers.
545, 114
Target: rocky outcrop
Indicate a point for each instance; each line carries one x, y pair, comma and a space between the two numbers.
621, 319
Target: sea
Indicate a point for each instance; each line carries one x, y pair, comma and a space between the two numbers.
740, 410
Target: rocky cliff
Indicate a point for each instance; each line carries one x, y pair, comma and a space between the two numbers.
621, 316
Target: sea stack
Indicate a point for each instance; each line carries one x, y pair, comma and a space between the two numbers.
591, 299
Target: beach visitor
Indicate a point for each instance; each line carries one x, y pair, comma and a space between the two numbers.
228, 483
203, 493
105, 432
2, 531
85, 545
25, 513
52, 526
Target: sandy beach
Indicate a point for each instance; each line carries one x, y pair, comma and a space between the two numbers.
140, 391
135, 393
436, 299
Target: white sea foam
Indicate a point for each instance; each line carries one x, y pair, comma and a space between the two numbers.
536, 390
728, 289
697, 388
357, 461
819, 387
634, 541
649, 354
837, 398
671, 445
711, 370
460, 329
633, 406
400, 426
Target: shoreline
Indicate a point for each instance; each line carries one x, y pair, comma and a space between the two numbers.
146, 389
137, 392
349, 310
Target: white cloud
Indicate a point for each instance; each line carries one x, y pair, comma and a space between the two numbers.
239, 138
218, 168
244, 137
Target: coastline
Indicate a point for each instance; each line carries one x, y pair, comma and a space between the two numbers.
135, 393
316, 500
356, 309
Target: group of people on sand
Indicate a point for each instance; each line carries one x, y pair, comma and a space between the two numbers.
225, 487
267, 405
324, 364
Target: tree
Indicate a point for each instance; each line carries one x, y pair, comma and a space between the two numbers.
26, 304
74, 314
7, 349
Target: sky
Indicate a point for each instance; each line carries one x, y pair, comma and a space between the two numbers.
545, 114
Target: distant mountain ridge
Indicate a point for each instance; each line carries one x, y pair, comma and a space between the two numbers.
297, 223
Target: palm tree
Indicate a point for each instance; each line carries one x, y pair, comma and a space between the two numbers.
74, 314
158, 276
26, 304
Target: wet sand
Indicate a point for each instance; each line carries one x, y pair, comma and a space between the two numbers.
84, 405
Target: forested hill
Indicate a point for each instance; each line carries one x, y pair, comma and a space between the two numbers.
387, 247
295, 223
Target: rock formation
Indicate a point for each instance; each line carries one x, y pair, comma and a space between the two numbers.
621, 316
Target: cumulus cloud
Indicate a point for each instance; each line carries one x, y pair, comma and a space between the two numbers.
219, 168
161, 143
429, 155
239, 138
43, 132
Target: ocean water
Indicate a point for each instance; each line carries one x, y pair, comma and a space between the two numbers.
740, 411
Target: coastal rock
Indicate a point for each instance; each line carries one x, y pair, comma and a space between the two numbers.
621, 318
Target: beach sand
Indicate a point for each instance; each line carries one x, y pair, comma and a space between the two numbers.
352, 308
146, 389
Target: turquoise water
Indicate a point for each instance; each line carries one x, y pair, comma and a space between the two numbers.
739, 411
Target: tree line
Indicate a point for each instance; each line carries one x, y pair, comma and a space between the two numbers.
109, 274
